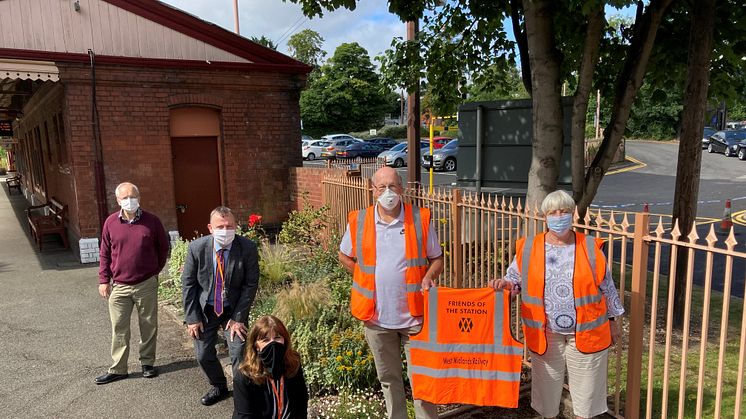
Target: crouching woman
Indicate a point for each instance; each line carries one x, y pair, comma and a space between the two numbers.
270, 383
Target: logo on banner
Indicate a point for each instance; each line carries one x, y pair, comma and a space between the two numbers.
465, 324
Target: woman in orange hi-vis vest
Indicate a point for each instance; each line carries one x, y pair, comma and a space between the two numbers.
570, 310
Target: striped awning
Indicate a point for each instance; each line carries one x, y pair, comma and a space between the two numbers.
28, 70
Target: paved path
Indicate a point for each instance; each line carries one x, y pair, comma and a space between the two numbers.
55, 337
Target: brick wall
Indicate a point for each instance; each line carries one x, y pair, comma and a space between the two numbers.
260, 121
306, 187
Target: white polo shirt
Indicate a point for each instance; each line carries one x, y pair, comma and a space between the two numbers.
392, 309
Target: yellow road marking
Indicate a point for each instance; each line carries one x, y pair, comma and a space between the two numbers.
637, 165
739, 217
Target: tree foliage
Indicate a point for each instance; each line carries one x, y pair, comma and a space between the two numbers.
346, 96
306, 46
263, 40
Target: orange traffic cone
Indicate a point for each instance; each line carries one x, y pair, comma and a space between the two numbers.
727, 222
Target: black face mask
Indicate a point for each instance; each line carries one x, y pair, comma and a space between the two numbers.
273, 359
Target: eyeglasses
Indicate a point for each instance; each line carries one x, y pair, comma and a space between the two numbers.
381, 188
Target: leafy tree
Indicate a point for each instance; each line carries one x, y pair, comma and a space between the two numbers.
306, 46
502, 84
346, 96
263, 40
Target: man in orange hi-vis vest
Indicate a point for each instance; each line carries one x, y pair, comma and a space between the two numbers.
392, 250
466, 352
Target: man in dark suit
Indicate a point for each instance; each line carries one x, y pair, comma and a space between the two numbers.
220, 280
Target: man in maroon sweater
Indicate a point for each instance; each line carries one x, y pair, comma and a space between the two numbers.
134, 248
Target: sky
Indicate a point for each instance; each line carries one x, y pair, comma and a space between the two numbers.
370, 24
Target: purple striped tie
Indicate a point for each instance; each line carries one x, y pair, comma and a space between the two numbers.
219, 281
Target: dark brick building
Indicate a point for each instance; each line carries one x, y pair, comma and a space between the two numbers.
196, 116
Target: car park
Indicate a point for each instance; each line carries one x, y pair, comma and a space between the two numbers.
396, 156
444, 158
726, 142
706, 134
331, 148
312, 149
360, 149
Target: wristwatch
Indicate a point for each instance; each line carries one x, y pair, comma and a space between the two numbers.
611, 319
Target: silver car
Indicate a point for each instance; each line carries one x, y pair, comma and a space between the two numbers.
331, 148
443, 158
397, 155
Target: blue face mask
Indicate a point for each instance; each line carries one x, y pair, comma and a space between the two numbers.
560, 224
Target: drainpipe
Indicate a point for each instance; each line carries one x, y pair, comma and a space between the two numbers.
480, 130
98, 164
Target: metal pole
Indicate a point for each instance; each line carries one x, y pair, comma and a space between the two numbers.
401, 110
480, 130
413, 122
235, 15
431, 155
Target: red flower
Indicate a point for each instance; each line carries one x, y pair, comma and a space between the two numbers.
254, 219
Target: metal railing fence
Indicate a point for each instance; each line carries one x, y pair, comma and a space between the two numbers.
652, 371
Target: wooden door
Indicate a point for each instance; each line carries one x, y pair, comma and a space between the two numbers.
196, 183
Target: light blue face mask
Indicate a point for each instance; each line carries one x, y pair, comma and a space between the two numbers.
559, 224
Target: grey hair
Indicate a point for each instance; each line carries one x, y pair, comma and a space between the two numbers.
125, 184
398, 176
557, 200
222, 211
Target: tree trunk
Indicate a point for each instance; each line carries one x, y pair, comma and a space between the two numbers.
546, 104
580, 99
627, 86
690, 141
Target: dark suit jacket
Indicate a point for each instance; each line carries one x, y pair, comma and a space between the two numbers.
241, 282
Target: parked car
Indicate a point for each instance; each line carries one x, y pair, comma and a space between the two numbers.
741, 153
438, 142
306, 138
443, 158
331, 148
708, 132
726, 142
312, 149
397, 156
360, 149
384, 142
334, 137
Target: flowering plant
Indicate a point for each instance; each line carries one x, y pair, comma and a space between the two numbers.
253, 229
254, 219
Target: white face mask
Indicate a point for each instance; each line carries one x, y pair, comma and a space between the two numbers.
223, 238
389, 199
129, 204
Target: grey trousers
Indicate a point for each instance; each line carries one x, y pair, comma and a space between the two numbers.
385, 345
207, 356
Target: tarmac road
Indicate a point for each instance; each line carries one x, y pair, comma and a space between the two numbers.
56, 335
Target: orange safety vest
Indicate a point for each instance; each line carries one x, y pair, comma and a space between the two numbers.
363, 237
592, 332
466, 352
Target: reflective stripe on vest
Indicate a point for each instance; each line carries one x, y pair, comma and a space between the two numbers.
466, 354
362, 297
534, 328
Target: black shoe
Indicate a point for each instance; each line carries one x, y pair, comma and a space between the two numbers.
149, 371
109, 378
215, 395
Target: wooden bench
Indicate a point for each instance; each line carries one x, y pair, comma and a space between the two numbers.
13, 182
48, 218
